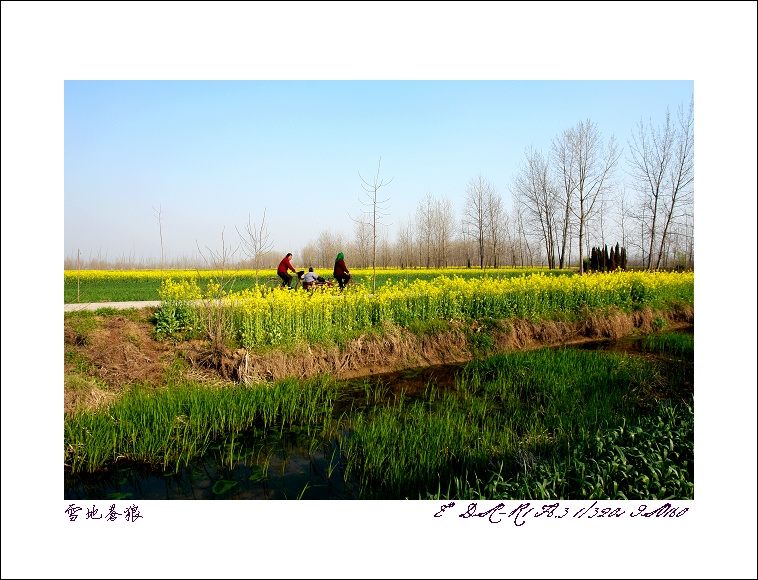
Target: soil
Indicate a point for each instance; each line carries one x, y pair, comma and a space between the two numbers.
121, 351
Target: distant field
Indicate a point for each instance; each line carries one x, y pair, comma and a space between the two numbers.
137, 285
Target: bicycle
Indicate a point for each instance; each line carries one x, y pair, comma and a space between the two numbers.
321, 284
349, 282
276, 282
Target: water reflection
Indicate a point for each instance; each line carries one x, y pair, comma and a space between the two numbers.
294, 468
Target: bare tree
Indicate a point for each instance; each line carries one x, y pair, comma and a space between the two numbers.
599, 221
535, 193
589, 175
444, 223
384, 248
565, 166
495, 216
425, 227
689, 226
215, 318
78, 275
523, 252
363, 240
405, 243
329, 244
435, 223
622, 218
377, 209
475, 214
510, 239
257, 243
158, 213
310, 255
662, 161
469, 242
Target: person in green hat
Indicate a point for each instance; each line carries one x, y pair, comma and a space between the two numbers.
341, 273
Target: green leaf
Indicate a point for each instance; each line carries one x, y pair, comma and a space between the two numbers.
257, 473
118, 495
222, 486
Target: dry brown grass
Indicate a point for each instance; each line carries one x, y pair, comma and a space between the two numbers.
398, 349
82, 393
395, 348
613, 325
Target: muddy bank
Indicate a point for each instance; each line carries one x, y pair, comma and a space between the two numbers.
397, 348
121, 350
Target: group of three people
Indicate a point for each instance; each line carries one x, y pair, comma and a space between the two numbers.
341, 273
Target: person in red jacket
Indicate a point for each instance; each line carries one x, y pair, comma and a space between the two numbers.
285, 265
341, 273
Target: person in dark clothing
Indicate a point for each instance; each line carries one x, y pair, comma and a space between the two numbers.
341, 273
283, 268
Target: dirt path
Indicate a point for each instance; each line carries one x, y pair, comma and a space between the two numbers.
116, 305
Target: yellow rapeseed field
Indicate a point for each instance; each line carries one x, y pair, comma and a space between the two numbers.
275, 316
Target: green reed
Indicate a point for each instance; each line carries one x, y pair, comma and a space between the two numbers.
676, 343
508, 410
174, 425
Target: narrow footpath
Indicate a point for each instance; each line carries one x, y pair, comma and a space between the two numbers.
118, 305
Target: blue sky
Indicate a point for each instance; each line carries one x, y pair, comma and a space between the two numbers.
210, 154
86, 165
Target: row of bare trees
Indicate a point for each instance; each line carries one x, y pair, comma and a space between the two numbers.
564, 202
559, 195
663, 165
573, 192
